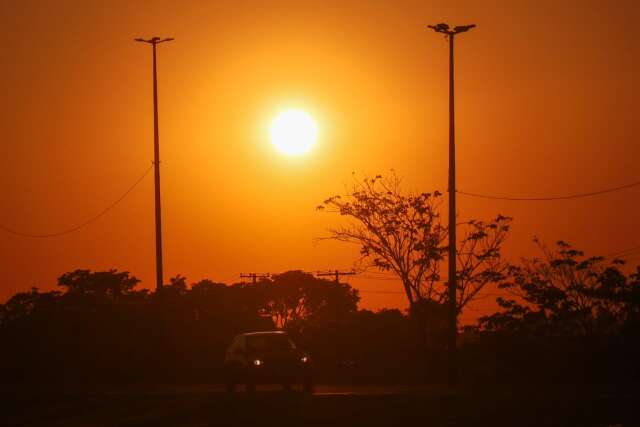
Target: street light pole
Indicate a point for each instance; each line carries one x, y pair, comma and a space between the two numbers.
156, 162
452, 291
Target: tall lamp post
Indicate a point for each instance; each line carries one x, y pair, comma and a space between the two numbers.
156, 161
453, 310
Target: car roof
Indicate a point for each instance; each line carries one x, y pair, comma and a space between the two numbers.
252, 334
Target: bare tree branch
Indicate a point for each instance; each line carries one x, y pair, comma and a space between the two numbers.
402, 233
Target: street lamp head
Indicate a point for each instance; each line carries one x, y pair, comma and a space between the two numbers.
154, 40
445, 29
463, 28
440, 28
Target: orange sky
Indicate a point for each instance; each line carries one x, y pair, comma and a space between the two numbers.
546, 104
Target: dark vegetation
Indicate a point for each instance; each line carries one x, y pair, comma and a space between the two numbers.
564, 318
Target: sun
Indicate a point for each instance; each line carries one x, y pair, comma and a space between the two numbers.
293, 132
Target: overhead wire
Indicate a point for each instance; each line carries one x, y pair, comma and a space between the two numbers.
371, 291
623, 253
82, 224
550, 198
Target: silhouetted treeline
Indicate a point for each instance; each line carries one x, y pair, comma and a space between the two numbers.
570, 319
565, 317
99, 328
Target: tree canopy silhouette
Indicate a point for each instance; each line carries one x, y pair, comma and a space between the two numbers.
295, 297
109, 283
566, 293
99, 328
402, 233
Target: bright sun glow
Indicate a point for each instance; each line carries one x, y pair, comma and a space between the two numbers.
293, 132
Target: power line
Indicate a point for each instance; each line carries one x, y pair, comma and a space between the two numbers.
540, 199
391, 279
625, 252
255, 276
83, 224
369, 291
379, 274
336, 274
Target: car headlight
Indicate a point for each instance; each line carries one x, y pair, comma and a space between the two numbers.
257, 362
304, 359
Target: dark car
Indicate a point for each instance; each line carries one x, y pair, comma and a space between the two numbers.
266, 358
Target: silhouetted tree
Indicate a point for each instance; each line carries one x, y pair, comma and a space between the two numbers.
566, 293
295, 297
109, 283
401, 232
567, 317
25, 304
431, 317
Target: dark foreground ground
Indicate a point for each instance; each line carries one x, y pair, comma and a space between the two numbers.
329, 406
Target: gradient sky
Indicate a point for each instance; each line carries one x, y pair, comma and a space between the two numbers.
546, 105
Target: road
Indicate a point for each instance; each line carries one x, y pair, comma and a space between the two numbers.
196, 406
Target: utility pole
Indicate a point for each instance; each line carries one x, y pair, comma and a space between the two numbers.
156, 161
254, 276
336, 274
453, 309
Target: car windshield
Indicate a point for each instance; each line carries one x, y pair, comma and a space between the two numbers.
269, 342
